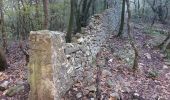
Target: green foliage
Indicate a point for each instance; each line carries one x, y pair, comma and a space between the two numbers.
59, 15
24, 16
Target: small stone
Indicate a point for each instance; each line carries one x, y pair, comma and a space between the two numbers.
78, 35
14, 90
163, 55
20, 83
83, 64
111, 82
165, 67
111, 60
1, 73
140, 67
161, 98
79, 95
167, 75
106, 73
4, 85
70, 70
127, 59
167, 63
68, 56
80, 40
88, 53
126, 89
148, 56
85, 92
75, 89
136, 94
91, 98
114, 96
91, 88
71, 50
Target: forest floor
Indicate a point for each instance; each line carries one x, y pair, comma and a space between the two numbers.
112, 77
14, 79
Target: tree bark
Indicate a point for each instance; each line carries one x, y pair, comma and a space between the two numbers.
85, 12
138, 8
3, 62
143, 8
165, 43
93, 7
4, 36
122, 19
37, 12
69, 31
132, 41
45, 7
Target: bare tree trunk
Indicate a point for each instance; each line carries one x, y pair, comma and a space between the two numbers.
85, 11
143, 8
4, 36
98, 77
69, 31
165, 43
93, 7
3, 62
105, 4
78, 17
135, 65
37, 12
122, 19
138, 8
45, 6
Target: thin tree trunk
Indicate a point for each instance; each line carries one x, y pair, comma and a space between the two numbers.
132, 41
138, 8
4, 36
78, 17
85, 12
98, 77
122, 19
37, 12
105, 4
93, 7
45, 6
69, 31
164, 44
3, 62
143, 8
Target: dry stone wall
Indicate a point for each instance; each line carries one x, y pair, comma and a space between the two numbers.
83, 52
55, 65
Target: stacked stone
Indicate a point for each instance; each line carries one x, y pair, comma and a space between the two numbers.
54, 64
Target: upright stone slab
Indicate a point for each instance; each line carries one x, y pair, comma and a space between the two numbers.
49, 71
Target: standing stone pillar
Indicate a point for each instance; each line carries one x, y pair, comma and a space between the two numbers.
49, 71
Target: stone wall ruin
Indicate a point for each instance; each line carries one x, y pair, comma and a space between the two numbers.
55, 65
